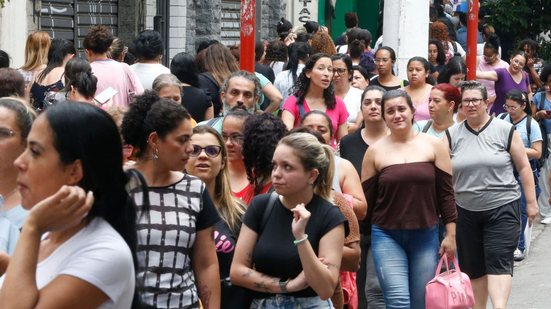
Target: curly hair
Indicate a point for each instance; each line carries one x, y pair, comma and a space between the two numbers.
438, 31
300, 89
148, 114
98, 39
276, 50
441, 52
261, 134
12, 83
323, 43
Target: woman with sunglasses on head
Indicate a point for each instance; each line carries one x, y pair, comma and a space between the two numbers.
519, 115
77, 248
177, 257
314, 90
209, 162
512, 77
292, 258
407, 181
342, 79
485, 152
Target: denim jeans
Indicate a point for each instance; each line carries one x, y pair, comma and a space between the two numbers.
282, 301
524, 219
405, 261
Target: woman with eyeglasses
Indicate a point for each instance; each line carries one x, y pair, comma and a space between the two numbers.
314, 90
385, 58
485, 153
16, 118
519, 114
209, 162
342, 79
512, 77
232, 133
176, 252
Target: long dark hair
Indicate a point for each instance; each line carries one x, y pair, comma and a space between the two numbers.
184, 67
98, 146
298, 51
303, 83
58, 50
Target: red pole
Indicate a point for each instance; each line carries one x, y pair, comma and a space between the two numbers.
248, 25
472, 36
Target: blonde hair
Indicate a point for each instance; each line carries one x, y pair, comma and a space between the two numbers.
230, 208
166, 80
36, 50
314, 155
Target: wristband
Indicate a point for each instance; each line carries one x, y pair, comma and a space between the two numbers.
298, 241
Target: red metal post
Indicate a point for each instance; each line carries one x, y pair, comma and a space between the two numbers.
248, 25
472, 36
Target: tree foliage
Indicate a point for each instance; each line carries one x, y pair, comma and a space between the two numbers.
521, 18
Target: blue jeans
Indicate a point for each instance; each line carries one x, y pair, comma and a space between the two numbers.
282, 301
405, 261
524, 219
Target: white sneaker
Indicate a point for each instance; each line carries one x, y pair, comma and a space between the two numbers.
546, 220
519, 255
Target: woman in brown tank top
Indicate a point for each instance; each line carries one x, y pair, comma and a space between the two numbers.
407, 181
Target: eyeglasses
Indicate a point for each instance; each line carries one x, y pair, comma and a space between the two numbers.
510, 108
234, 138
6, 133
474, 102
212, 151
339, 71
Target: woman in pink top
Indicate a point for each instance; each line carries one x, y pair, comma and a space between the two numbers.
489, 62
117, 83
314, 91
419, 87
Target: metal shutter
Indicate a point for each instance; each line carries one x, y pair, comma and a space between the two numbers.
71, 19
231, 10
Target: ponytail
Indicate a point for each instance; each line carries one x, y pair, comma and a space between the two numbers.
323, 186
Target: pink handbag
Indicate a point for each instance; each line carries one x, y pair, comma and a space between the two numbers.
449, 290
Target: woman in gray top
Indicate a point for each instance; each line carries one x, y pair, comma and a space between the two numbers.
485, 152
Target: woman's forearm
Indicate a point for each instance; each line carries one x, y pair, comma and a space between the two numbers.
318, 275
528, 185
208, 286
19, 289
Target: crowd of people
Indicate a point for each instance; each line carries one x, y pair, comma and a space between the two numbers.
321, 180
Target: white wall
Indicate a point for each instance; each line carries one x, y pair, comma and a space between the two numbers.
13, 34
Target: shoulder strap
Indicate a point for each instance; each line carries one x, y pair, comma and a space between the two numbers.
449, 138
427, 126
529, 127
542, 101
301, 110
268, 210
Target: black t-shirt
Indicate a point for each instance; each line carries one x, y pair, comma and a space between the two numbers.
375, 81
212, 89
265, 70
232, 296
275, 253
353, 148
196, 102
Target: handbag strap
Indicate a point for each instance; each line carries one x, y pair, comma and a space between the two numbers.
444, 258
268, 211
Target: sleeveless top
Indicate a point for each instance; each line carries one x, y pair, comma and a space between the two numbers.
39, 92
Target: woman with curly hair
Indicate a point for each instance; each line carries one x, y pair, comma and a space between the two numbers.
437, 57
219, 64
276, 56
314, 91
439, 31
261, 133
321, 42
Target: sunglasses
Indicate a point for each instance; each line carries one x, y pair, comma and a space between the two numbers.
212, 151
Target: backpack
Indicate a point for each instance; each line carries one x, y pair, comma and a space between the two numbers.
538, 162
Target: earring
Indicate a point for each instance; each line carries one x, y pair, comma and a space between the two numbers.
156, 154
311, 183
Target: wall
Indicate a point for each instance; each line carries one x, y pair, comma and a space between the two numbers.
16, 21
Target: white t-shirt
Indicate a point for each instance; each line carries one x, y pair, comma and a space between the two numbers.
147, 72
284, 82
353, 101
98, 255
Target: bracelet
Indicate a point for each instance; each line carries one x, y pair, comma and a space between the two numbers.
298, 241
